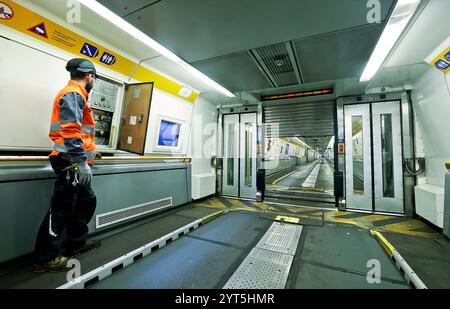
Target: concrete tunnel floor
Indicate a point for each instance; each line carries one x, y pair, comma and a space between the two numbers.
294, 180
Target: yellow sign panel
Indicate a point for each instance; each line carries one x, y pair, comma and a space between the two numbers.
442, 62
28, 22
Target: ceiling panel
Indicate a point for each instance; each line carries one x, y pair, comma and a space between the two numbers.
429, 30
338, 55
399, 76
236, 72
203, 29
178, 73
125, 7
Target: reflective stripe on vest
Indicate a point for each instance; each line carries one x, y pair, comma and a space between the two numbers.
55, 127
60, 147
88, 129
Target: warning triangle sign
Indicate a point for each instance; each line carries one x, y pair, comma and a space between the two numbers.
39, 30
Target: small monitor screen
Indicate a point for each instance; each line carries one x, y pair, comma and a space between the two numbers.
169, 134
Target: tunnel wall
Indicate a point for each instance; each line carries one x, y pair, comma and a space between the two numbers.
275, 166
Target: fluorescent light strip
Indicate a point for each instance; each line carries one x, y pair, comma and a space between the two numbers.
307, 146
400, 17
141, 36
331, 143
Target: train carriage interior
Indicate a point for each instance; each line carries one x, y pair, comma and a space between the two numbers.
279, 144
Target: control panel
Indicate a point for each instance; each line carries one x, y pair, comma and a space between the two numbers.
104, 95
103, 101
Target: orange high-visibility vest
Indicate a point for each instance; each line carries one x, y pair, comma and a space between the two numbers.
61, 133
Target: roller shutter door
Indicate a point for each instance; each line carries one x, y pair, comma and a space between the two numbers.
302, 119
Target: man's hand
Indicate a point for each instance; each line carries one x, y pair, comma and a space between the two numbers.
84, 173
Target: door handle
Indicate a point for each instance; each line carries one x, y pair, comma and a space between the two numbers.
141, 118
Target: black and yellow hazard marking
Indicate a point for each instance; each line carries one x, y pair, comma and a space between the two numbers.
408, 273
382, 223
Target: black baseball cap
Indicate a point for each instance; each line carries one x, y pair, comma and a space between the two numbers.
81, 65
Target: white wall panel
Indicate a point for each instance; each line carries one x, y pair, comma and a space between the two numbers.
202, 146
431, 102
173, 108
29, 82
203, 136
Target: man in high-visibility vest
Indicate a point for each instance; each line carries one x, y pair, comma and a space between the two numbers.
73, 204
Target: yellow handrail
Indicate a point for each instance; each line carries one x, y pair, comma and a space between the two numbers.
143, 158
447, 165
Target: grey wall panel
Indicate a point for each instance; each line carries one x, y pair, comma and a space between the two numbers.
131, 189
25, 201
23, 206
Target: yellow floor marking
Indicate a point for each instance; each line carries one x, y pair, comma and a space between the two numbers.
373, 218
218, 203
410, 233
340, 213
241, 206
364, 222
270, 208
237, 203
287, 219
208, 206
406, 225
300, 210
347, 221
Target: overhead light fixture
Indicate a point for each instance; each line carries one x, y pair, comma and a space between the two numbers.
331, 143
141, 36
400, 17
303, 143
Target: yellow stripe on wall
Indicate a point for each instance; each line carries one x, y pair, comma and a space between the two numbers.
25, 21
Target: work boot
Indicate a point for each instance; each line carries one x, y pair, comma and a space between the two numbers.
56, 265
87, 246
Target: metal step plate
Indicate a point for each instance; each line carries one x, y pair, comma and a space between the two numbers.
261, 269
281, 237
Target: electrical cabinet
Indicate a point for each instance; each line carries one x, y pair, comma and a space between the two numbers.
103, 100
125, 106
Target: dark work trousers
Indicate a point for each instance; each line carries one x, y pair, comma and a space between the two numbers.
71, 209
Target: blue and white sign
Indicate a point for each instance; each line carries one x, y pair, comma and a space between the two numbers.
39, 30
447, 56
108, 59
89, 50
442, 65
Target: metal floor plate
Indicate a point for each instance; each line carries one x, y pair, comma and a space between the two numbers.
268, 264
261, 269
281, 237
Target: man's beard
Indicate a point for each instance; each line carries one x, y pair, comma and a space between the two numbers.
89, 87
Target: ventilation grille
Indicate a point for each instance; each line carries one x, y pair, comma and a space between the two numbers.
279, 63
131, 212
